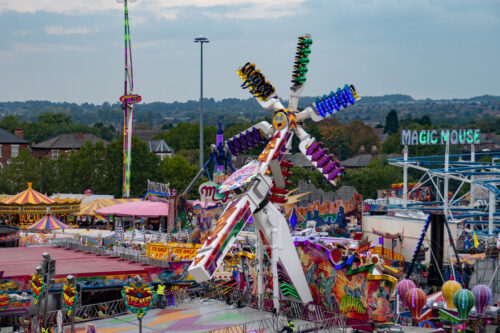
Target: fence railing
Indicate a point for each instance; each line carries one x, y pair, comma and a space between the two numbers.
265, 325
118, 251
91, 312
276, 323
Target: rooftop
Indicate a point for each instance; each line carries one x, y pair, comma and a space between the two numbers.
68, 141
159, 146
7, 137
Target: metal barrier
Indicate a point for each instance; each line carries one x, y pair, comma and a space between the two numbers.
276, 323
264, 325
118, 251
91, 312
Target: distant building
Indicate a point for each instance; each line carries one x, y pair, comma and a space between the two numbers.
160, 148
489, 142
147, 134
11, 145
63, 144
300, 161
362, 160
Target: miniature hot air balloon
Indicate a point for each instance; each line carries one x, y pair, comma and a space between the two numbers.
482, 295
415, 298
403, 287
449, 289
463, 301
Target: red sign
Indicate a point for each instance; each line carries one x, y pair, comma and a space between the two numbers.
131, 99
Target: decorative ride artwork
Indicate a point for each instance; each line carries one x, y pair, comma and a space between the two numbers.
70, 296
37, 287
139, 298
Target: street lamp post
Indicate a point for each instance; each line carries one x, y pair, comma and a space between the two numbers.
201, 40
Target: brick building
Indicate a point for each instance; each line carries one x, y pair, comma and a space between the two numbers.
11, 145
63, 144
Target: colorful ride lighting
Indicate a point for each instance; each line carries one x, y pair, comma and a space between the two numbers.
301, 60
329, 166
255, 81
336, 101
245, 141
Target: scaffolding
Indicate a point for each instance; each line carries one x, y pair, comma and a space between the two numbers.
476, 206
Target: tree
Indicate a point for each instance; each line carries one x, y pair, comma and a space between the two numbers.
145, 165
313, 176
392, 145
391, 122
361, 135
335, 137
10, 123
22, 169
177, 171
378, 175
425, 120
346, 140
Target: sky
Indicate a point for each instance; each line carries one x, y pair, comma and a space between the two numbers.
73, 50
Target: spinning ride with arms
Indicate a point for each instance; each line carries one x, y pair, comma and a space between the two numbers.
260, 183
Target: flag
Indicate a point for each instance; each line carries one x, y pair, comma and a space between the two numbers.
476, 241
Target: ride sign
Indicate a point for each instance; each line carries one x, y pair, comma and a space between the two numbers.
241, 177
139, 298
130, 99
209, 192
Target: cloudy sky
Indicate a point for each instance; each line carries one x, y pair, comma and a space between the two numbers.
72, 50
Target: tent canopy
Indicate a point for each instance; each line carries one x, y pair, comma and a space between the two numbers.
89, 208
136, 209
48, 222
29, 196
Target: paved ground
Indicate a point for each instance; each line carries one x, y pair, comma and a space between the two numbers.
189, 317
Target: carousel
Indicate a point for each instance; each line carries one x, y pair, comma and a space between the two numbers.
29, 206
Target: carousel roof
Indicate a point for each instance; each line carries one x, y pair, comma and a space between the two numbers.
48, 222
29, 196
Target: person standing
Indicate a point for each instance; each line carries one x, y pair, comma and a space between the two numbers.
161, 294
289, 328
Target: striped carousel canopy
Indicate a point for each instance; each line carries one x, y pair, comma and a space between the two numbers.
48, 222
89, 208
29, 196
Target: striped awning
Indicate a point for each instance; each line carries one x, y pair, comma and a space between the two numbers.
88, 208
29, 196
48, 222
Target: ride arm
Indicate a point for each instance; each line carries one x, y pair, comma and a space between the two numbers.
328, 105
198, 176
250, 138
324, 162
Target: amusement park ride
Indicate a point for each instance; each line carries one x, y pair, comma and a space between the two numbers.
259, 184
128, 99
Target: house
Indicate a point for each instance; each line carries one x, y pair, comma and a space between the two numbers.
63, 144
160, 148
362, 160
146, 134
11, 145
300, 161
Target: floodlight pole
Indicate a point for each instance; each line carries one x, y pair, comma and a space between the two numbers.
201, 40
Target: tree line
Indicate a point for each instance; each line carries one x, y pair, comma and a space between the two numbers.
99, 167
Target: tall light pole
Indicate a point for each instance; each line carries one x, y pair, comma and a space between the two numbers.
201, 40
